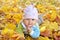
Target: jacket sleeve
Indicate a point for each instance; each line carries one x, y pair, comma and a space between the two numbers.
35, 33
19, 29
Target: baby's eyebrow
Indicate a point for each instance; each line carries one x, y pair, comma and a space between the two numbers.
33, 19
27, 19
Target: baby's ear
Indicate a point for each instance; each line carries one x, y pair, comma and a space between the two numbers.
40, 19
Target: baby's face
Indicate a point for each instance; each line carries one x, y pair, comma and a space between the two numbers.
29, 22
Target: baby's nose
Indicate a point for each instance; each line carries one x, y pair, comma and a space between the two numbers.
30, 22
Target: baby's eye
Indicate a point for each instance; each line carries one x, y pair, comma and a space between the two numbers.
33, 19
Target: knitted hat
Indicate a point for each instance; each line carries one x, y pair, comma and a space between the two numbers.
30, 12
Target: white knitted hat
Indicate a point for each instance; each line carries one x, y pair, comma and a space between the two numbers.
30, 12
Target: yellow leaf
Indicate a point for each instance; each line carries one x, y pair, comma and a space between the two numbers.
43, 28
5, 31
53, 15
43, 38
11, 26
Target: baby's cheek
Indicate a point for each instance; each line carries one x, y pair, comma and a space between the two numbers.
26, 23
34, 23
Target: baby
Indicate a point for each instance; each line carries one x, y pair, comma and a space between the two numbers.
29, 23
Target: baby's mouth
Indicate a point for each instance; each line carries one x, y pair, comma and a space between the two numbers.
30, 25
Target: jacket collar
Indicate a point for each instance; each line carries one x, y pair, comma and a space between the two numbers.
23, 25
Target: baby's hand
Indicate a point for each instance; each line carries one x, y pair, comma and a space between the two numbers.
29, 30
